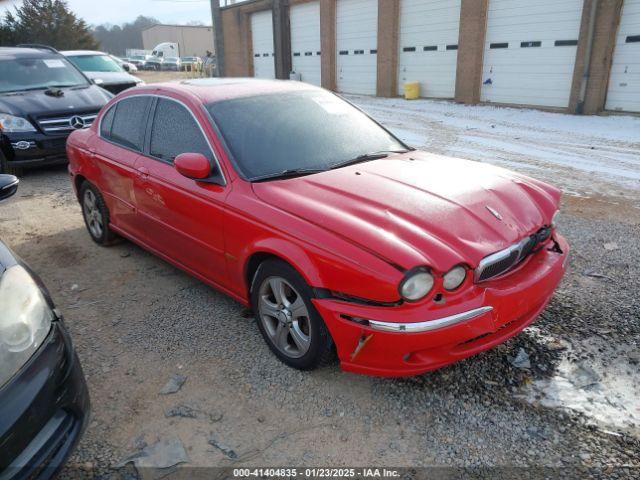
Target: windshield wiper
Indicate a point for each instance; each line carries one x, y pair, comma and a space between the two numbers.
367, 157
30, 89
67, 85
42, 87
289, 173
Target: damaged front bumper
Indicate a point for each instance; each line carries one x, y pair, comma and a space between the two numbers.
399, 341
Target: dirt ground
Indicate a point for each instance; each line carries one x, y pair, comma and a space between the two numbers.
137, 321
155, 77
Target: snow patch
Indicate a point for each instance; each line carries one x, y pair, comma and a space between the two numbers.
585, 155
606, 392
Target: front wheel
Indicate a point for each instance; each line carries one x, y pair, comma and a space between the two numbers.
96, 215
287, 319
6, 167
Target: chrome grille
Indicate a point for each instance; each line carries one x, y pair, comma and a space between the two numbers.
67, 123
501, 262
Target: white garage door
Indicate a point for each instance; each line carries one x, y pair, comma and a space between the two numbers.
262, 41
357, 45
624, 82
530, 51
429, 46
305, 41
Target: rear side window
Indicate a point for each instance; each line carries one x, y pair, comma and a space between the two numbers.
175, 131
129, 122
107, 122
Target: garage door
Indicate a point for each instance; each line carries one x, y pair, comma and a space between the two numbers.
305, 41
624, 83
262, 42
429, 46
530, 51
357, 45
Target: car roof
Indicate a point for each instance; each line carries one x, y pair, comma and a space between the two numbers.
10, 53
81, 53
210, 90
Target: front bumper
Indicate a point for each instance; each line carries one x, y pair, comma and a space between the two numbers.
516, 300
43, 149
44, 410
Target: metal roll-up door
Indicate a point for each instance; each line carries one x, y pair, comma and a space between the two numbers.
357, 46
530, 51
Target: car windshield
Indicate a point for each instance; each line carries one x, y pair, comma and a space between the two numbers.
307, 131
21, 74
95, 63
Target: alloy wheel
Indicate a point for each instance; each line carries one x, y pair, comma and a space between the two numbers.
92, 214
285, 317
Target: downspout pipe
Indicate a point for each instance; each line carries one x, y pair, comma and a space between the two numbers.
587, 57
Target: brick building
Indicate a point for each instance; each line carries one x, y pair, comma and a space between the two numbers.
570, 55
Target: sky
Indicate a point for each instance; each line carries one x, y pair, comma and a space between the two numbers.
96, 12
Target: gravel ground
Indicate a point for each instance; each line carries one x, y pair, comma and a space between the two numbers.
137, 321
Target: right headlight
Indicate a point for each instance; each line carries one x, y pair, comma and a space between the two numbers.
25, 320
554, 219
11, 123
416, 285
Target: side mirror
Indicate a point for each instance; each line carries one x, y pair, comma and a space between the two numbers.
125, 67
193, 165
8, 186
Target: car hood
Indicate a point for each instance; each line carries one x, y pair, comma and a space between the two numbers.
419, 208
111, 78
37, 103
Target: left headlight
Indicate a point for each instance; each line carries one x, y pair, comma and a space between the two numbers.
416, 284
25, 320
454, 277
9, 123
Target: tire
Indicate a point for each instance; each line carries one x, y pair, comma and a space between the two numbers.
6, 167
96, 215
295, 333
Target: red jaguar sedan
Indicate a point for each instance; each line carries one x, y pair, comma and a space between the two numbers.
340, 237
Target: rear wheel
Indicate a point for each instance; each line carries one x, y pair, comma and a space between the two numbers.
96, 215
287, 319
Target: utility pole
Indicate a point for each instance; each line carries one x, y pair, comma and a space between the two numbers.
218, 39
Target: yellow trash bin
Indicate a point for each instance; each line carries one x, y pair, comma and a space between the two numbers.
411, 90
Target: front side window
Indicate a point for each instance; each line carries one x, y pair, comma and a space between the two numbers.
22, 74
175, 131
310, 130
129, 122
95, 63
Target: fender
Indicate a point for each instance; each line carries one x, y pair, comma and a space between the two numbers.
288, 251
319, 269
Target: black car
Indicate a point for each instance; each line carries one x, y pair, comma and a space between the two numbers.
43, 98
44, 403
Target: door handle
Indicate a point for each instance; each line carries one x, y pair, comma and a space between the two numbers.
143, 172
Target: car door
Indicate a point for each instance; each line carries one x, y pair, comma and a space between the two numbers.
182, 218
116, 150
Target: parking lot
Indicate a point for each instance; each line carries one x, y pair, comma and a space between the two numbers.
563, 393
